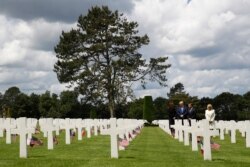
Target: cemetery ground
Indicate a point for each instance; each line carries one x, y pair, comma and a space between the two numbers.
153, 147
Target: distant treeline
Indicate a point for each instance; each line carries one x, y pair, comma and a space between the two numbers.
14, 103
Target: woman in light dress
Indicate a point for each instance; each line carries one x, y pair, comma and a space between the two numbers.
210, 116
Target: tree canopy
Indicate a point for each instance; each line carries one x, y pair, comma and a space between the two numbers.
101, 58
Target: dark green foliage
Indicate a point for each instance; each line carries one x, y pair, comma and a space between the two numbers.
34, 102
136, 109
101, 58
49, 105
202, 106
160, 105
148, 109
9, 101
93, 114
14, 103
175, 90
1, 105
121, 111
177, 93
22, 106
227, 105
69, 104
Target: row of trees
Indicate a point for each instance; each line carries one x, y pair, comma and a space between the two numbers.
228, 106
14, 103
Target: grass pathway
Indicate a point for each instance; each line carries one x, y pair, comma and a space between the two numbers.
155, 148
152, 148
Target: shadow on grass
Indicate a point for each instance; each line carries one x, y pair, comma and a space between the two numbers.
219, 160
36, 156
126, 157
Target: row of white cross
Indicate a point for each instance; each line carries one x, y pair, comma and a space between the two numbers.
25, 127
201, 128
120, 128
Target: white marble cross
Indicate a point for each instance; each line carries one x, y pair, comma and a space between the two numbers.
42, 123
241, 128
56, 123
103, 126
177, 127
121, 127
247, 127
232, 127
22, 130
79, 125
194, 135
164, 124
206, 133
67, 125
49, 128
96, 126
9, 123
88, 124
221, 126
32, 123
185, 129
1, 126
114, 138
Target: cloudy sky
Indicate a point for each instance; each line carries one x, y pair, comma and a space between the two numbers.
207, 42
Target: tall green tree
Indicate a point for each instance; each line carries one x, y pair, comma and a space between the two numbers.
69, 104
22, 106
101, 58
34, 102
136, 108
176, 89
160, 105
1, 105
177, 93
49, 105
9, 101
247, 106
148, 109
45, 104
226, 105
243, 106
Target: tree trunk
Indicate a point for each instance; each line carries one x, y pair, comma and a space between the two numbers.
111, 108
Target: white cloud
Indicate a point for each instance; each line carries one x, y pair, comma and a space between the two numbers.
12, 52
178, 27
57, 88
207, 42
26, 53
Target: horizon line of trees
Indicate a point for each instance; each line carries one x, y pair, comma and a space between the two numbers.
14, 103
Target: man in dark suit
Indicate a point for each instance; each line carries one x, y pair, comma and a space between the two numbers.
191, 113
181, 111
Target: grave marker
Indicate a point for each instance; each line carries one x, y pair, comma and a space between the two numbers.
114, 138
22, 130
9, 123
206, 133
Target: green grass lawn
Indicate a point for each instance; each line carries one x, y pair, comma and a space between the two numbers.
151, 148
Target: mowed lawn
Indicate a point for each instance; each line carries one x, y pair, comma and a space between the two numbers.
151, 148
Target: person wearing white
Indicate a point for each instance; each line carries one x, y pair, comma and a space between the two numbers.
210, 116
